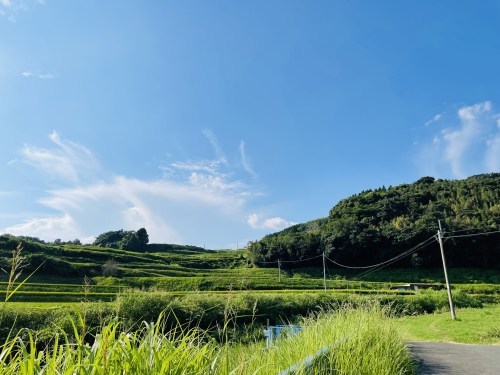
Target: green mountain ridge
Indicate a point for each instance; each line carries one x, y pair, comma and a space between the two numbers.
366, 228
375, 225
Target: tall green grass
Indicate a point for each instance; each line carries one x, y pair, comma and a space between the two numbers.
209, 310
113, 351
359, 340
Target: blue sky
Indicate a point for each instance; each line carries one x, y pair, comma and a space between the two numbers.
213, 123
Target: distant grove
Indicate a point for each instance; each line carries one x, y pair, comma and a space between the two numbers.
375, 225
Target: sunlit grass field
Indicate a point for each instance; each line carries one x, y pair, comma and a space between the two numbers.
473, 326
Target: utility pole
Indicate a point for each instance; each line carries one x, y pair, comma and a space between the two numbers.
279, 270
324, 272
450, 299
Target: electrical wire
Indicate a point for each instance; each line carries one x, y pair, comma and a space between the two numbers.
289, 261
395, 260
301, 260
472, 234
458, 231
375, 267
382, 263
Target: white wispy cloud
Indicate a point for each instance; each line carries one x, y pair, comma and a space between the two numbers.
468, 147
493, 154
68, 162
173, 212
47, 227
209, 166
245, 161
197, 200
256, 221
43, 76
436, 118
11, 8
219, 154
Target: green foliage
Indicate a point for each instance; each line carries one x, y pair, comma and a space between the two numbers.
120, 239
360, 341
375, 225
211, 311
142, 237
47, 264
207, 311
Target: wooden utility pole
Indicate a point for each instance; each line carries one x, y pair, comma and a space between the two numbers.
324, 272
279, 270
448, 289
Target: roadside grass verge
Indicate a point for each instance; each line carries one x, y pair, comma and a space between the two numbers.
473, 326
359, 340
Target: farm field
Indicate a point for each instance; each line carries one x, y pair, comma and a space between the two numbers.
216, 293
72, 273
106, 289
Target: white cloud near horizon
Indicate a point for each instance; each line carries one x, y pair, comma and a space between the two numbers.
48, 227
493, 154
274, 223
470, 146
198, 202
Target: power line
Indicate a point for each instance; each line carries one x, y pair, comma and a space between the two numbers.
301, 260
459, 231
472, 234
382, 263
288, 261
408, 252
375, 267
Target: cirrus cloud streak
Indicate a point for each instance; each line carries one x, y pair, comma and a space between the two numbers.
198, 202
469, 144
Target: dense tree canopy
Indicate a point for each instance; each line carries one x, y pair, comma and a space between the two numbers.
120, 239
374, 225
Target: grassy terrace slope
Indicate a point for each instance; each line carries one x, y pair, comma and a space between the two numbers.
177, 269
75, 262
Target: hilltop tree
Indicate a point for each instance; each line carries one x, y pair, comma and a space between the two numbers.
120, 239
143, 237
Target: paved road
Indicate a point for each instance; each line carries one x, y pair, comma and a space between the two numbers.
447, 358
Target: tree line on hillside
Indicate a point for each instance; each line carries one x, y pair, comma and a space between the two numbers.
119, 239
56, 242
127, 240
375, 225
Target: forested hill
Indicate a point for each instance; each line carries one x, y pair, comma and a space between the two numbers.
375, 225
